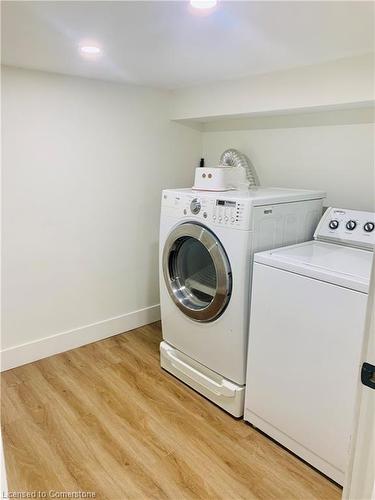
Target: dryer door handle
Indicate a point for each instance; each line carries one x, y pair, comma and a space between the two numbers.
225, 389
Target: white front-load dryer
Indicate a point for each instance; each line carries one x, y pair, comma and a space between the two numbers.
206, 245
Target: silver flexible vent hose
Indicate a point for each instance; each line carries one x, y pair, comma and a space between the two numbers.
234, 158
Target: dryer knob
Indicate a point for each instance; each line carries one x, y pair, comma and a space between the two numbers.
333, 224
351, 224
195, 206
369, 227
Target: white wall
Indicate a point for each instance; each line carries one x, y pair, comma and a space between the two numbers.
337, 158
84, 163
307, 127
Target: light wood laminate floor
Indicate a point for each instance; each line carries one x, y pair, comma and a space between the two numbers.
106, 418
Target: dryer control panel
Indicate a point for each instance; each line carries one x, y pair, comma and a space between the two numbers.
347, 227
228, 212
218, 211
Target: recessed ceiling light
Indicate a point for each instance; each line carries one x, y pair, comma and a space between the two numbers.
90, 50
203, 4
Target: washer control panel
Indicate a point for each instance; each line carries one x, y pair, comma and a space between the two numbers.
219, 211
348, 227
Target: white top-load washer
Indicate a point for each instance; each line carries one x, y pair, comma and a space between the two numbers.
206, 244
306, 327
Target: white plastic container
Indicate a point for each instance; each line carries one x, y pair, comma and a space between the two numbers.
220, 178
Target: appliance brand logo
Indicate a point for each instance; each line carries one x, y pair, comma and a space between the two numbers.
267, 211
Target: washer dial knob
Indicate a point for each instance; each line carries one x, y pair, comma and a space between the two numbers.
369, 227
351, 224
195, 206
333, 224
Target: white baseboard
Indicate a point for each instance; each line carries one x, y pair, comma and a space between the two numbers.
64, 341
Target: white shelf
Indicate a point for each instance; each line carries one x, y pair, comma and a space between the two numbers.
358, 108
342, 85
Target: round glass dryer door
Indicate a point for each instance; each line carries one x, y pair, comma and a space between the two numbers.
197, 272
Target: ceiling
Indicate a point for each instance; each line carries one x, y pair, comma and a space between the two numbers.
167, 45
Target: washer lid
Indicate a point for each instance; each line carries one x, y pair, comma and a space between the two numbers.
344, 266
